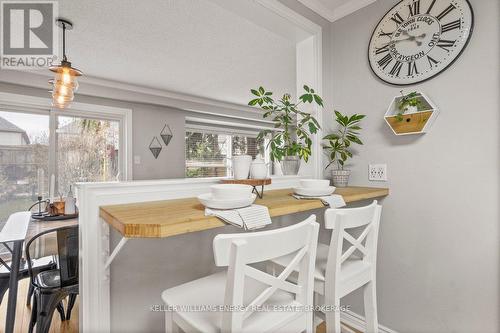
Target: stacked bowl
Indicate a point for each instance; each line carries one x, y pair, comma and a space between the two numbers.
228, 196
314, 188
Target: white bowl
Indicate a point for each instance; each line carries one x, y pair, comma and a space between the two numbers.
231, 191
208, 200
314, 192
314, 183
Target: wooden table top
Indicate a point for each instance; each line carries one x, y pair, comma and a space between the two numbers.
36, 226
174, 217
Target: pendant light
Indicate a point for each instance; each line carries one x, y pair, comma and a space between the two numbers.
64, 84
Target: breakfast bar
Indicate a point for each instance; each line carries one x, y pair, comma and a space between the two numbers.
174, 217
139, 238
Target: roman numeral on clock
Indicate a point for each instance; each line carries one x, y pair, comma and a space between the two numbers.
397, 18
387, 34
396, 68
430, 7
432, 61
386, 60
412, 68
451, 26
445, 44
445, 12
382, 49
414, 8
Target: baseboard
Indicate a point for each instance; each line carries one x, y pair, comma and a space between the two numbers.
358, 322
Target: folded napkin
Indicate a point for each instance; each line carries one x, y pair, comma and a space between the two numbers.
333, 200
250, 218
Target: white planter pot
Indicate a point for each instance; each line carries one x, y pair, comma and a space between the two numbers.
290, 165
340, 178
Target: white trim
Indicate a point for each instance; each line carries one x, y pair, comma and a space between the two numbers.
227, 123
316, 32
289, 14
80, 109
357, 322
341, 11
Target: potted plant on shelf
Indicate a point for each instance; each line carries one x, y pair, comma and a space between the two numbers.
339, 143
290, 140
409, 103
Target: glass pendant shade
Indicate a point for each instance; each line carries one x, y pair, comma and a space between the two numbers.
64, 83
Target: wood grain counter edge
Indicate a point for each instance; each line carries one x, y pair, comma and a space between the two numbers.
127, 222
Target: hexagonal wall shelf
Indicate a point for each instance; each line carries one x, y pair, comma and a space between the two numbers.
412, 121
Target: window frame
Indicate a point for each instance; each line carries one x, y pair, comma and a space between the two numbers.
229, 133
38, 105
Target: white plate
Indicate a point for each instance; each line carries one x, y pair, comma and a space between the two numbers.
208, 201
314, 192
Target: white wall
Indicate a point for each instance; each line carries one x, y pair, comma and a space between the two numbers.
438, 268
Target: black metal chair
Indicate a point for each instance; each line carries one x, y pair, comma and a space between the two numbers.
52, 286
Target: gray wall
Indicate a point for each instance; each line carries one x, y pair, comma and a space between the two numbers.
147, 121
438, 267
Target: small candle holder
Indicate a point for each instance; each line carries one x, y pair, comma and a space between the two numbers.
40, 213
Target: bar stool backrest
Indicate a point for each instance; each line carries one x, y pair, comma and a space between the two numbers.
67, 253
238, 251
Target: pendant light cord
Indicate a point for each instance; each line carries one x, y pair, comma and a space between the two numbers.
64, 42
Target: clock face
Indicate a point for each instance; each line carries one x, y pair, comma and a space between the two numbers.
418, 39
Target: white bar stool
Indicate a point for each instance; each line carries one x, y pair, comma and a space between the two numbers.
236, 294
340, 270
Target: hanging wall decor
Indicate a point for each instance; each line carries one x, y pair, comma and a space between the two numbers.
412, 113
166, 134
155, 147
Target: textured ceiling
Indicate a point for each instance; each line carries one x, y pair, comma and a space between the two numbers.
195, 47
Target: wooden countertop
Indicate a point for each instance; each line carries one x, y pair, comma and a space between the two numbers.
174, 217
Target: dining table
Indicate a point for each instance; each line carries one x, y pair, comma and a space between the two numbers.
35, 227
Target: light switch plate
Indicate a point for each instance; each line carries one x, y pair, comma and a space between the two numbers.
137, 159
377, 172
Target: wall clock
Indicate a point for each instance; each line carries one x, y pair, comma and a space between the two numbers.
418, 39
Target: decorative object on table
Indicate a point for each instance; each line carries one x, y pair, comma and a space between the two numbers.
70, 203
250, 218
155, 147
166, 134
416, 40
339, 143
252, 182
413, 113
241, 166
42, 206
314, 187
57, 207
290, 140
259, 168
64, 84
228, 196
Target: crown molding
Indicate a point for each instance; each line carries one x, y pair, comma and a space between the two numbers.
339, 12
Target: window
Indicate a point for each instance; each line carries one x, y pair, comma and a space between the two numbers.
37, 144
209, 153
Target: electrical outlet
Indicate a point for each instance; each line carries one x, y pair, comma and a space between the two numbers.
377, 172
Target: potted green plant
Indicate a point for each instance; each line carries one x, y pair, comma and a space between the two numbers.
409, 103
290, 141
339, 143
